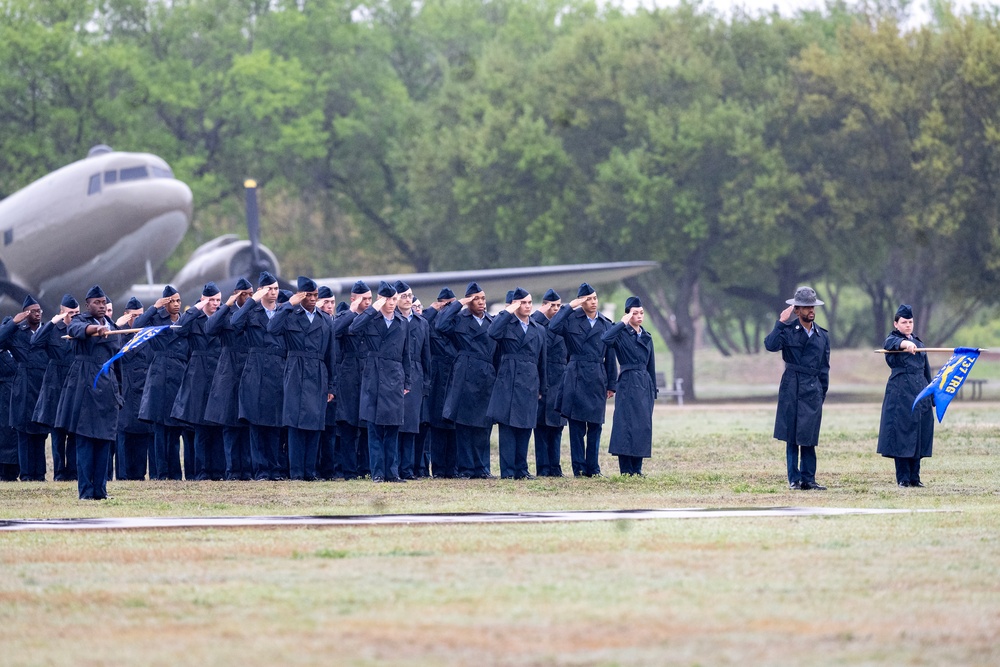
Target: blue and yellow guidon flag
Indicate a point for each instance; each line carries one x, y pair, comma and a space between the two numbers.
949, 380
137, 340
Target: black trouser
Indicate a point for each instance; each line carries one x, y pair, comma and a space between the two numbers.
265, 451
133, 450
236, 445
9, 472
472, 450
190, 457
31, 456
303, 453
328, 465
167, 445
806, 473
383, 448
630, 465
513, 451
63, 455
443, 463
907, 469
92, 467
585, 457
209, 453
407, 454
348, 435
548, 446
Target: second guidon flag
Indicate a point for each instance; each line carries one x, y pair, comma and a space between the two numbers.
949, 379
137, 340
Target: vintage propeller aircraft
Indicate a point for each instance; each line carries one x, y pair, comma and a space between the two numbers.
114, 217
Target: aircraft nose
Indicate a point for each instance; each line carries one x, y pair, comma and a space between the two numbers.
151, 199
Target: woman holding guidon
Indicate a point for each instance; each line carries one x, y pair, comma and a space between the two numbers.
905, 434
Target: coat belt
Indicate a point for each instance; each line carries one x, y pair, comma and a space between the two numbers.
631, 367
308, 354
276, 352
586, 357
802, 369
476, 355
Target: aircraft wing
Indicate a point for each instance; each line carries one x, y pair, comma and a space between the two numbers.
564, 278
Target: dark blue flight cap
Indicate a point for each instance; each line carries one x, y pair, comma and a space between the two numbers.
360, 288
445, 293
473, 288
386, 290
133, 304
585, 290
401, 287
519, 293
243, 284
305, 284
69, 302
325, 292
29, 301
632, 302
284, 295
266, 279
509, 297
96, 292
904, 311
168, 291
551, 295
342, 306
210, 289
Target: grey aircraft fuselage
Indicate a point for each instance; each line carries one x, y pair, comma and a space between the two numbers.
101, 220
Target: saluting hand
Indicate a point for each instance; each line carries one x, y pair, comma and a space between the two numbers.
55, 318
296, 298
20, 317
627, 318
259, 294
514, 305
162, 301
124, 320
378, 303
232, 299
786, 314
578, 302
465, 301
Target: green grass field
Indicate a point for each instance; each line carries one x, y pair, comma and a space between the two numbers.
919, 588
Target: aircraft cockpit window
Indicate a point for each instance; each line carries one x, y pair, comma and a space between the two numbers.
134, 173
160, 172
95, 184
110, 177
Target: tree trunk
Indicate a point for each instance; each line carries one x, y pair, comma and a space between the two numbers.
673, 320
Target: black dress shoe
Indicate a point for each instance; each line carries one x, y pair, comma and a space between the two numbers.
396, 480
378, 480
904, 485
795, 486
812, 486
917, 484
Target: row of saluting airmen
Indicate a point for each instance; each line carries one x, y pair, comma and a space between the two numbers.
272, 385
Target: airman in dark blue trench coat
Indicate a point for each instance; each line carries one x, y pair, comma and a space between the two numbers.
442, 431
519, 384
632, 425
50, 338
224, 395
262, 383
351, 353
168, 359
193, 396
420, 378
136, 447
385, 381
310, 376
15, 336
9, 468
906, 435
803, 385
590, 375
472, 378
88, 411
549, 428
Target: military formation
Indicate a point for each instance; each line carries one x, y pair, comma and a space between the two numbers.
266, 384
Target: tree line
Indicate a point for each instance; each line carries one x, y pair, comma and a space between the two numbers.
747, 153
